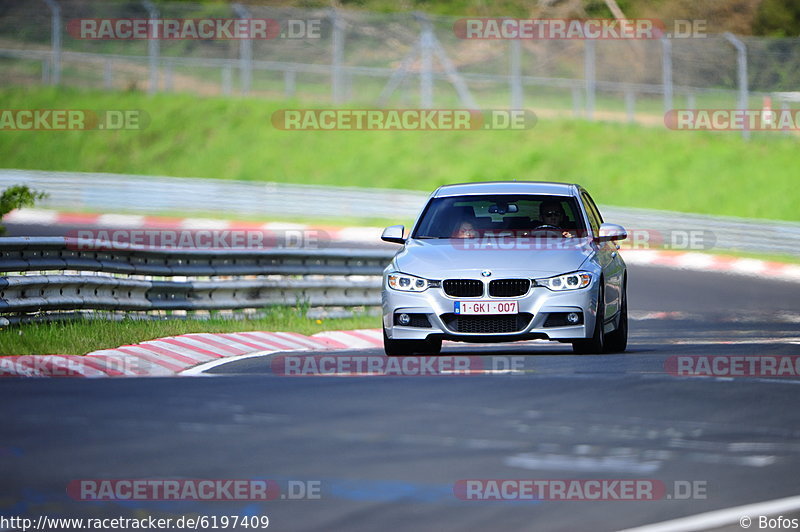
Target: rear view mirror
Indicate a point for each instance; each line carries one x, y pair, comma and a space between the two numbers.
394, 234
501, 208
609, 232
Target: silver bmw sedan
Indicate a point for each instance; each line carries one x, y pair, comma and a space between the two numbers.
506, 261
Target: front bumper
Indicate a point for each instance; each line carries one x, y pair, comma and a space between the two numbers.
535, 307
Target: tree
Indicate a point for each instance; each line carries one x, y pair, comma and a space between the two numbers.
15, 197
778, 18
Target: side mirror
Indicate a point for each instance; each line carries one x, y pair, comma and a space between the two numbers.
609, 232
394, 234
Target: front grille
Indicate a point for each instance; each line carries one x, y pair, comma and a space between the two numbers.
494, 324
509, 287
463, 287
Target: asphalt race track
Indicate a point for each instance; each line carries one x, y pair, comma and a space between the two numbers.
385, 453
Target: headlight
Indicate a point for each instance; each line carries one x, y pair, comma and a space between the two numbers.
569, 281
407, 283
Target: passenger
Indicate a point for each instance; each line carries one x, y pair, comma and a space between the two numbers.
466, 230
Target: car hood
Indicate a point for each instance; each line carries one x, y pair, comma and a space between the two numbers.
443, 258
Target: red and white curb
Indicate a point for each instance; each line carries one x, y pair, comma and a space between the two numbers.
188, 354
705, 262
371, 235
131, 221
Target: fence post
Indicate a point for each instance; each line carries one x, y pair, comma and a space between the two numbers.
153, 45
741, 59
785, 109
576, 102
589, 57
691, 100
245, 52
515, 76
108, 80
55, 40
666, 72
426, 63
289, 82
227, 79
168, 80
630, 104
337, 57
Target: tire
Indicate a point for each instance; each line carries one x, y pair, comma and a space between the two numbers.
617, 341
596, 343
399, 348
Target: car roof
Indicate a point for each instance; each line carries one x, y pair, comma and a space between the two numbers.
508, 187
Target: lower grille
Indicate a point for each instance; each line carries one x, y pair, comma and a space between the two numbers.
462, 287
509, 287
417, 320
494, 324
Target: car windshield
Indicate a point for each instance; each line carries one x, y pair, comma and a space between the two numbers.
522, 215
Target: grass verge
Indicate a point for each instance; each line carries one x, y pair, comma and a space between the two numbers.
84, 336
621, 164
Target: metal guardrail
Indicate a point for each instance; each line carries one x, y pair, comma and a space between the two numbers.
238, 279
116, 192
149, 194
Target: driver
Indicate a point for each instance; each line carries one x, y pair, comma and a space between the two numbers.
552, 214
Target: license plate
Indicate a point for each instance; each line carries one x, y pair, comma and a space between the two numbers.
486, 307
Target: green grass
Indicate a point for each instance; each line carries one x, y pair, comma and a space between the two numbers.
81, 337
621, 164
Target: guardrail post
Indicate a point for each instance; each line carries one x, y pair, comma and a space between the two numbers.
666, 72
245, 52
55, 40
741, 59
589, 57
153, 46
337, 57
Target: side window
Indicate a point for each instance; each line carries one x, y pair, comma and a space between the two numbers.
593, 206
591, 210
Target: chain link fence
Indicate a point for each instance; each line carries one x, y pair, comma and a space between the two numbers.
344, 57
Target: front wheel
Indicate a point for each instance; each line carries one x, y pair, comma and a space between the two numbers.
617, 341
595, 344
398, 348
